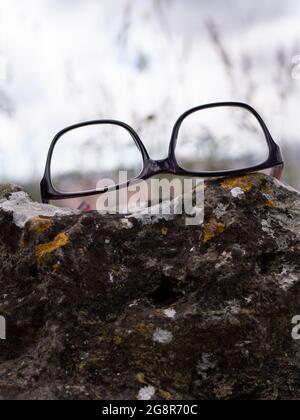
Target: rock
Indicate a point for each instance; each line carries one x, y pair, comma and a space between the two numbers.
101, 309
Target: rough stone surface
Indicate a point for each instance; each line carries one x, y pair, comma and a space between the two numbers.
99, 308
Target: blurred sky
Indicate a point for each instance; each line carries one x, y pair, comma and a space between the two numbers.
64, 61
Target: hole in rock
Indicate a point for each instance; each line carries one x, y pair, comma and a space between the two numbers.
166, 293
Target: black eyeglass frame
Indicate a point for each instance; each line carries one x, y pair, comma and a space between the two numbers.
168, 165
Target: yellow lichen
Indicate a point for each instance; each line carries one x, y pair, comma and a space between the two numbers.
140, 377
22, 242
59, 241
117, 340
266, 189
212, 230
271, 204
82, 366
225, 390
245, 183
40, 225
165, 394
164, 231
56, 267
93, 362
145, 329
182, 381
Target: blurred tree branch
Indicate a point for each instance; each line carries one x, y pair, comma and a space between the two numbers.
6, 105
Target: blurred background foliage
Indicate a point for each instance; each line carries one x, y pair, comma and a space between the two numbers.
144, 62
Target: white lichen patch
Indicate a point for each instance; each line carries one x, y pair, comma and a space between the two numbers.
237, 192
248, 299
220, 210
156, 213
167, 270
23, 209
126, 224
267, 228
285, 186
167, 209
287, 279
233, 307
162, 336
151, 262
169, 313
146, 393
226, 258
133, 303
206, 364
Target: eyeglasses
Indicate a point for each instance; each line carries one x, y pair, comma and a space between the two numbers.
215, 140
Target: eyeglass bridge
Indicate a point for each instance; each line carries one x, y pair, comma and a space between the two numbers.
156, 167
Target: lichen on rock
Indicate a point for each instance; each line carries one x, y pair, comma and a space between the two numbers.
107, 307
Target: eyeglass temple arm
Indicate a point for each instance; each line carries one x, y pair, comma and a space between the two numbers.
277, 171
84, 206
